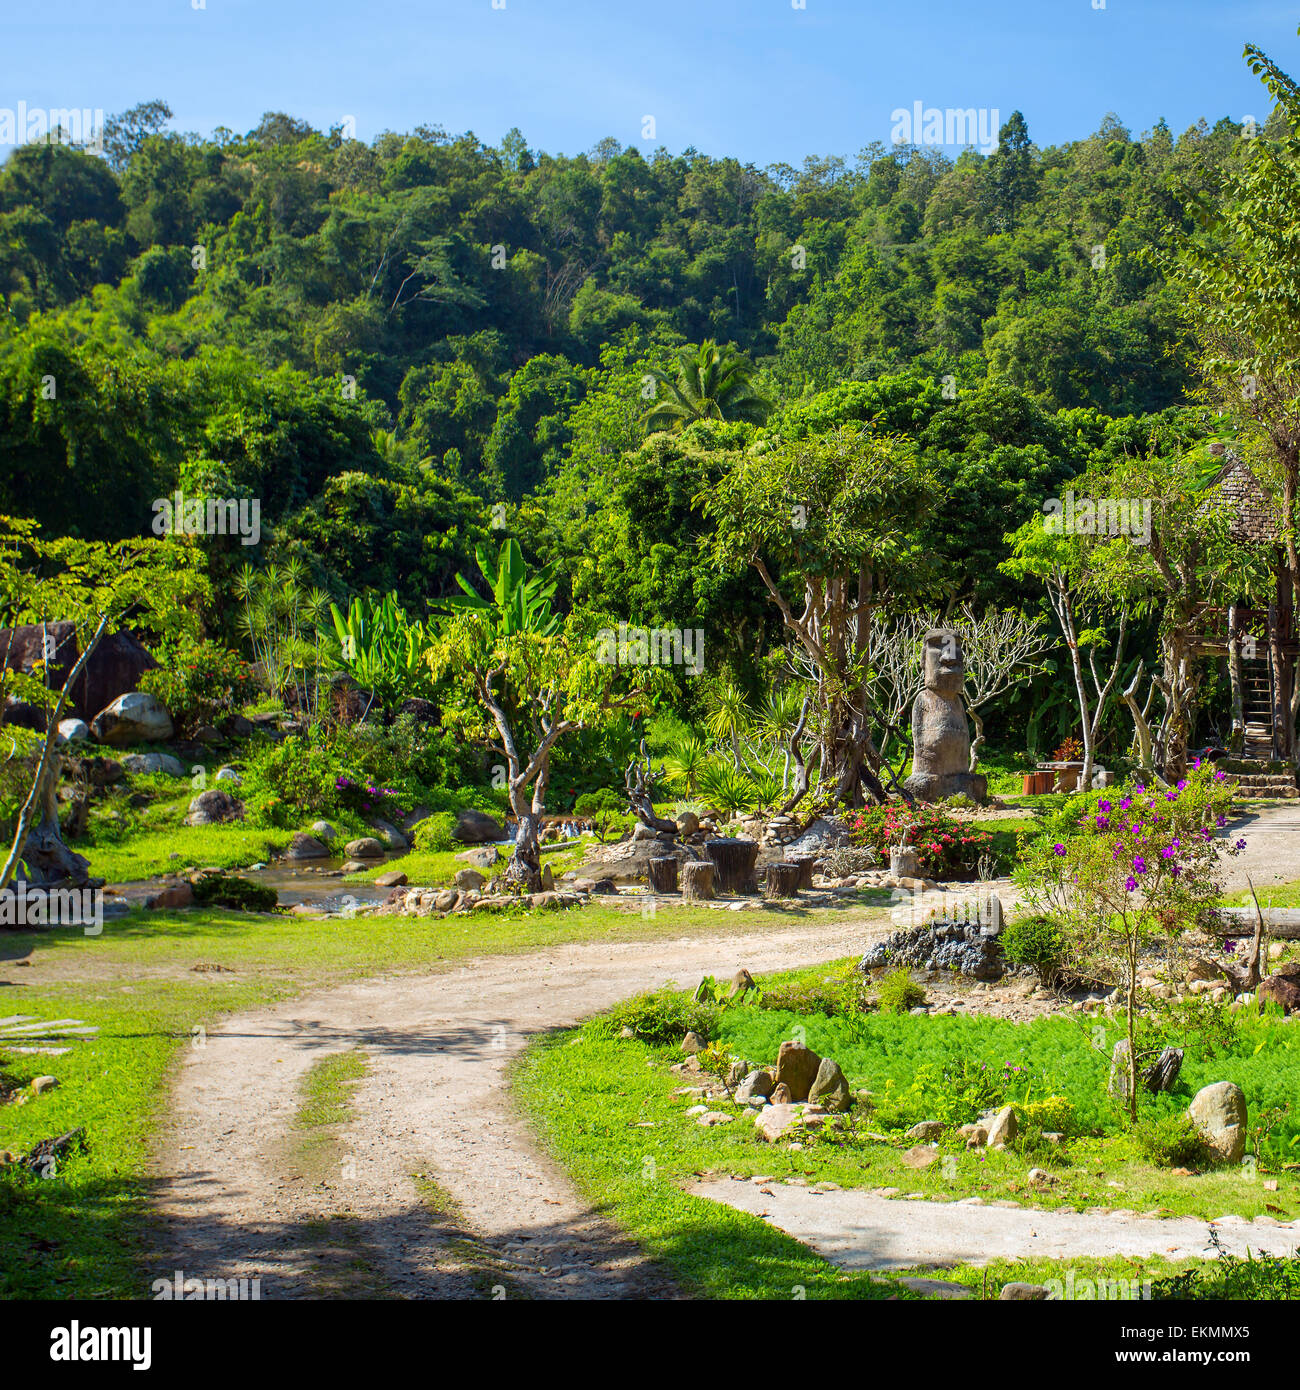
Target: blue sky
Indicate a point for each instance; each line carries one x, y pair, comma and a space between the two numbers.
758, 79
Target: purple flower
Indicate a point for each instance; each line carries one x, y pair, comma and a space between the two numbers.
1102, 822
1139, 865
1126, 803
1241, 844
1103, 805
1167, 852
1182, 785
1219, 776
1130, 883
1058, 849
1171, 796
1196, 766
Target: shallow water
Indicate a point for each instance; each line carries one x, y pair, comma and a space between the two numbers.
317, 882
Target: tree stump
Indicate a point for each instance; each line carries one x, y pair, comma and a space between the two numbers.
1163, 1072
805, 863
662, 874
781, 881
697, 880
733, 861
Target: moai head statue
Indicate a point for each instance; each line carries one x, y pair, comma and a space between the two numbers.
943, 663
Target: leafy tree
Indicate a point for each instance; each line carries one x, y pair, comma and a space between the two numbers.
711, 383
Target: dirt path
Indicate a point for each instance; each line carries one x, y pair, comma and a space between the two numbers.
236, 1199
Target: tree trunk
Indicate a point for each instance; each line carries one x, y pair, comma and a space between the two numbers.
805, 863
524, 872
1163, 1072
662, 874
697, 880
733, 863
781, 881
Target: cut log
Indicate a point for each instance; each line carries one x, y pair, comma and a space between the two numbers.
781, 881
1281, 923
697, 880
662, 874
733, 861
806, 863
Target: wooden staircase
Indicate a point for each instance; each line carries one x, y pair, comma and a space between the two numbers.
1257, 700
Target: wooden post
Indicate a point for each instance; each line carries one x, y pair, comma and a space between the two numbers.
733, 861
806, 863
662, 874
781, 881
697, 880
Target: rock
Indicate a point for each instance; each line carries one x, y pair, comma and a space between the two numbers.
150, 764
774, 1121
829, 1087
1282, 988
394, 879
741, 983
323, 830
229, 774
205, 733
796, 1069
966, 948
920, 1156
1023, 1293
389, 834
780, 1094
446, 900
940, 735
756, 1085
365, 848
469, 878
976, 1136
114, 667
1039, 1177
687, 824
1003, 1128
691, 1044
1219, 1112
936, 1288
476, 828
482, 858
1202, 968
1118, 1082
22, 715
214, 807
132, 718
73, 731
304, 846
174, 895
715, 1117
927, 1130
41, 1084
604, 886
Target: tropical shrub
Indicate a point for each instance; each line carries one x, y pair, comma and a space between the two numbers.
288, 782
660, 1016
229, 890
1036, 940
606, 799
434, 835
1170, 1141
200, 683
946, 847
898, 993
382, 649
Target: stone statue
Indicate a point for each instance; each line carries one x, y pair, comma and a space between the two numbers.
940, 736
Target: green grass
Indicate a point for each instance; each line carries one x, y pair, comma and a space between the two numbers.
326, 1090
149, 854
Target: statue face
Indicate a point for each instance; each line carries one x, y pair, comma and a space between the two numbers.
944, 662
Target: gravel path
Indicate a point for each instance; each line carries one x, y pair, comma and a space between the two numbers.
860, 1230
236, 1199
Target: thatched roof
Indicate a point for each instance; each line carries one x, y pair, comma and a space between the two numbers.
1253, 510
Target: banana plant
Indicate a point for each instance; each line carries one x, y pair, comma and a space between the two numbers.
520, 602
381, 648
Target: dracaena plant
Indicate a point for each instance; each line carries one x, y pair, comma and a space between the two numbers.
381, 648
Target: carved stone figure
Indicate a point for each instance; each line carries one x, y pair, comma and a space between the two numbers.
940, 735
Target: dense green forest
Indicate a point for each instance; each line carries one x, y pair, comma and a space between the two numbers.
400, 346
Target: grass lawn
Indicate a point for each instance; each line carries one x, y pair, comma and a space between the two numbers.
604, 1107
136, 982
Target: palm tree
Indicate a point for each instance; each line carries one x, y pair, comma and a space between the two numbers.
777, 718
729, 716
686, 755
712, 383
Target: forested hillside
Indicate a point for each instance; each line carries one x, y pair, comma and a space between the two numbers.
382, 341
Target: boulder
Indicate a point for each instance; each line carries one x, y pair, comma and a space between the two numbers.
214, 807
1003, 1128
389, 834
73, 731
174, 895
1219, 1112
304, 846
774, 1121
797, 1066
757, 1085
920, 1156
692, 1043
687, 824
477, 828
1282, 987
394, 879
354, 866
604, 886
22, 715
446, 900
132, 718
149, 764
928, 1130
1023, 1293
114, 668
469, 878
482, 858
229, 774
364, 848
830, 1088
324, 831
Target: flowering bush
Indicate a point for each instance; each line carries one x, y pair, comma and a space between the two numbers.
363, 796
946, 847
201, 683
289, 782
